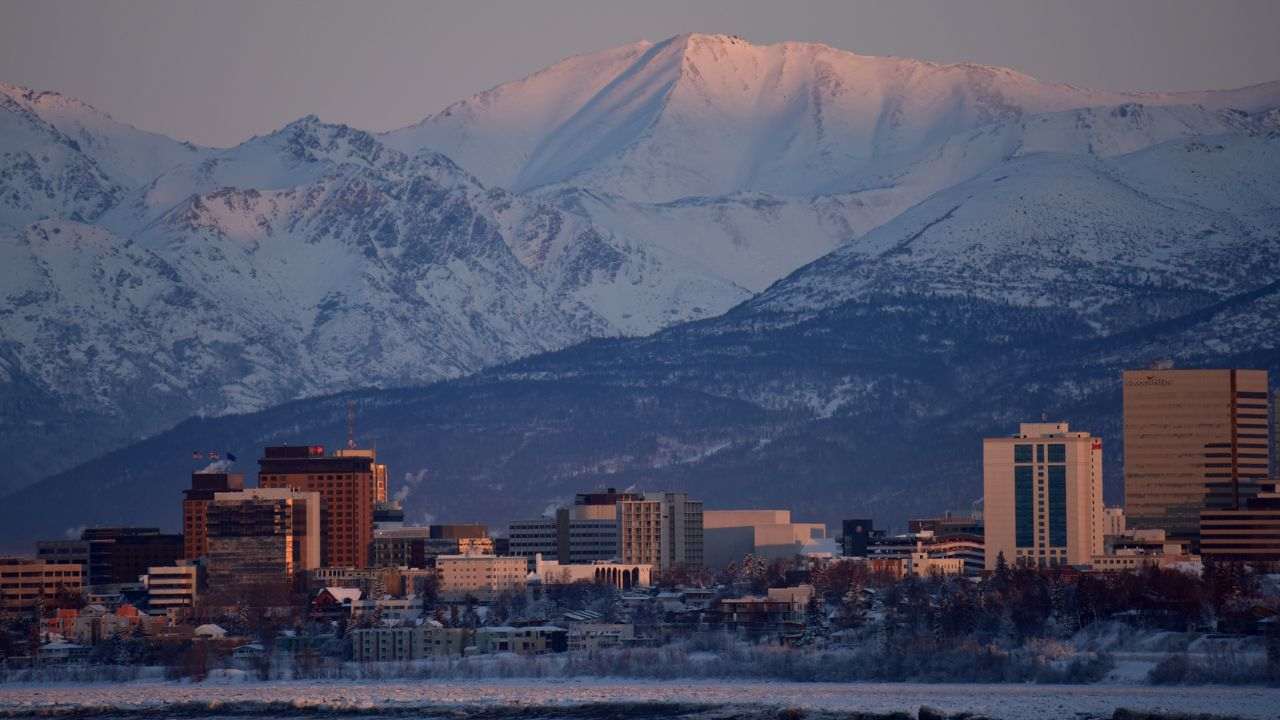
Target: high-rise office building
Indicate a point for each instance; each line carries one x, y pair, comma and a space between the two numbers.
121, 555
1042, 496
380, 478
348, 488
565, 538
661, 529
1250, 532
195, 505
262, 536
1193, 439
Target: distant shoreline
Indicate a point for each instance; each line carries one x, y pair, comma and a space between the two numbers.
635, 700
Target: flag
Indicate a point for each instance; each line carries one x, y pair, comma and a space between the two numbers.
231, 457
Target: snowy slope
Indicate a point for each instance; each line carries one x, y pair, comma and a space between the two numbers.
615, 193
62, 158
1122, 240
710, 115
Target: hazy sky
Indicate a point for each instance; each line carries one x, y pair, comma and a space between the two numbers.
216, 72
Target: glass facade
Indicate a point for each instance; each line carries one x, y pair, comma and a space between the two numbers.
1057, 502
1024, 504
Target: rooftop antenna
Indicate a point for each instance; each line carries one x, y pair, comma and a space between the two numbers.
351, 424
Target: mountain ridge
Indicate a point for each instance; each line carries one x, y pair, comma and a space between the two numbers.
703, 172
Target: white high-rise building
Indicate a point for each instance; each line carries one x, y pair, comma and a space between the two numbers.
1043, 496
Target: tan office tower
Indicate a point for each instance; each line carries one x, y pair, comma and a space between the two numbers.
1193, 439
347, 487
262, 536
1042, 491
662, 529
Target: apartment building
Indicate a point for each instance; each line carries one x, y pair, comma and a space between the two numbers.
661, 529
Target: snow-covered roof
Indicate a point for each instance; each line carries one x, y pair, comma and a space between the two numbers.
210, 630
343, 595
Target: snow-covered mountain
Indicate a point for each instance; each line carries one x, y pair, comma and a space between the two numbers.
613, 194
860, 384
62, 158
713, 115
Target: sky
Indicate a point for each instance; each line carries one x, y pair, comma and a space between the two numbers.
219, 72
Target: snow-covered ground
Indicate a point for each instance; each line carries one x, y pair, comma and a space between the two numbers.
1029, 702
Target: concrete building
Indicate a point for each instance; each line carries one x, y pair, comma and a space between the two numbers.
418, 547
1042, 496
565, 538
262, 536
730, 535
348, 488
172, 590
1134, 549
926, 553
522, 640
1113, 521
388, 516
26, 583
1247, 533
587, 636
460, 531
620, 575
600, 505
781, 611
408, 643
372, 582
64, 552
856, 535
195, 505
1193, 440
479, 576
662, 529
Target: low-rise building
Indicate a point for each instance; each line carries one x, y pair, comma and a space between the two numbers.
95, 623
623, 576
172, 590
372, 582
399, 644
729, 535
26, 583
923, 553
480, 576
522, 640
781, 611
600, 636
